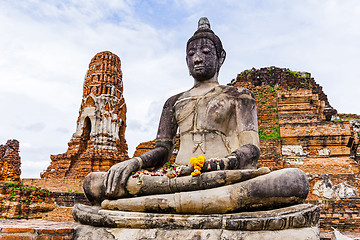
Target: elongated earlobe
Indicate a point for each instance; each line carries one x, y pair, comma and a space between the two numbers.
222, 58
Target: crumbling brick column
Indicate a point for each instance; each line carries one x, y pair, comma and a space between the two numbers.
99, 140
10, 161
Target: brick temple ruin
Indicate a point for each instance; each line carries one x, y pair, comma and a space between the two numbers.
10, 161
99, 140
296, 118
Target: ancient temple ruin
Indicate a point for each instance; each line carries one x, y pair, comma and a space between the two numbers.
10, 161
296, 118
99, 140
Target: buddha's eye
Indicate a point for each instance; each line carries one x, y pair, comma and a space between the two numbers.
206, 50
191, 52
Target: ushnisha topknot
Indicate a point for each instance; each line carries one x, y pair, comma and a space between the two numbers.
204, 31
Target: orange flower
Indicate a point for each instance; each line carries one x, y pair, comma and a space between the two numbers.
197, 163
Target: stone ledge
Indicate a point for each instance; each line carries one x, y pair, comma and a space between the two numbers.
297, 216
94, 233
36, 229
49, 227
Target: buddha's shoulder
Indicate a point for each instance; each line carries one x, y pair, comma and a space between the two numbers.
236, 91
172, 100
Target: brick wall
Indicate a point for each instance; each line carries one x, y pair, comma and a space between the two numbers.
147, 146
270, 154
66, 199
21, 201
36, 230
332, 165
340, 214
315, 137
285, 78
56, 185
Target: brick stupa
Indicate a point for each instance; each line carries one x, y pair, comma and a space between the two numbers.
10, 161
99, 141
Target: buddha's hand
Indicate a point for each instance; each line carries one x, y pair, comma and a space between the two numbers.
117, 176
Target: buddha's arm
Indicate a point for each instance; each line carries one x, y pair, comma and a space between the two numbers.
165, 137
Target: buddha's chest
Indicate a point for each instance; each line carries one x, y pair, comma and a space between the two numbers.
215, 112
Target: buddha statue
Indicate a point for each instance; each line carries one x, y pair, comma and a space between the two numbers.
216, 122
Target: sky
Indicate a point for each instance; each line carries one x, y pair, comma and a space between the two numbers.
46, 48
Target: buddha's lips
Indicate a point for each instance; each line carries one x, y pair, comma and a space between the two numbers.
199, 67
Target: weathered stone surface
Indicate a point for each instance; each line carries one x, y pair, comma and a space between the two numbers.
92, 233
293, 154
10, 161
139, 185
147, 185
326, 189
297, 216
99, 140
279, 188
220, 123
295, 222
214, 121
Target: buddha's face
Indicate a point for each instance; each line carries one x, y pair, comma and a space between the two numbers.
201, 59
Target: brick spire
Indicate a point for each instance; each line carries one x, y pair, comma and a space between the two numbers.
99, 140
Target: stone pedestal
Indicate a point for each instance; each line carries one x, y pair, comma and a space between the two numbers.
294, 222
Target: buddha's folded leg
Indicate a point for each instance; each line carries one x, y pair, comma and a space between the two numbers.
276, 189
149, 185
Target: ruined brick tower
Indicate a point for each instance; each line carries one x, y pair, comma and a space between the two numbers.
10, 161
99, 139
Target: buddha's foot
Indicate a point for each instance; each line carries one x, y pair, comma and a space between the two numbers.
279, 188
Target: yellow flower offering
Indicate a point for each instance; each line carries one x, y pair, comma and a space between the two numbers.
197, 163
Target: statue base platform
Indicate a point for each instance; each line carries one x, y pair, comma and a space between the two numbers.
295, 222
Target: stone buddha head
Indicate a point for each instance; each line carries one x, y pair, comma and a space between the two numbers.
204, 52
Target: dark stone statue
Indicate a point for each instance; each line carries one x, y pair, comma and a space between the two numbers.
219, 147
218, 122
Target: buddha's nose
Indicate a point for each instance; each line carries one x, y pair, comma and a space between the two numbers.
197, 59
